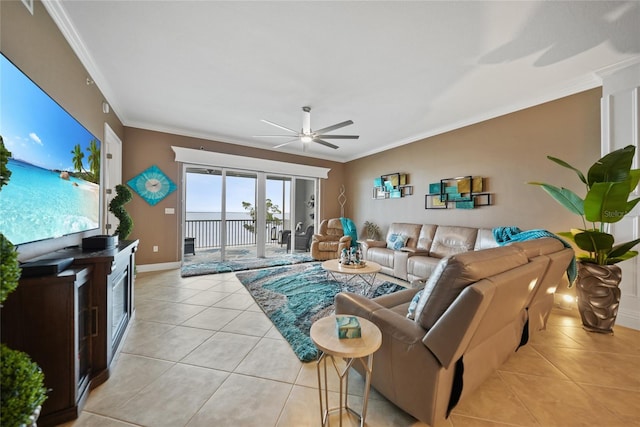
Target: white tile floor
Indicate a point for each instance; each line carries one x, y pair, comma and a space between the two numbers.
200, 352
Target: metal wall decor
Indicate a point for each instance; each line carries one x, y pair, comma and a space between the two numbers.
392, 186
462, 192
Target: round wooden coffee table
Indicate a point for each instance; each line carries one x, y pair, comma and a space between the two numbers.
325, 336
366, 273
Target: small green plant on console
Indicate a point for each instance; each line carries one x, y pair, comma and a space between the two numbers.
116, 207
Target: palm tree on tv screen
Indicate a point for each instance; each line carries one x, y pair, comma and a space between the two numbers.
94, 160
78, 155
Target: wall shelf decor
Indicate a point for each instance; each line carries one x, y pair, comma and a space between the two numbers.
392, 186
462, 192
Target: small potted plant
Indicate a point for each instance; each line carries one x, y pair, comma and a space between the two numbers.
609, 184
116, 207
23, 389
372, 230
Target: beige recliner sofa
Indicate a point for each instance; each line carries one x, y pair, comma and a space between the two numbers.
422, 247
475, 311
330, 240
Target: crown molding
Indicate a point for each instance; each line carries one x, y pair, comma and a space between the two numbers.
56, 10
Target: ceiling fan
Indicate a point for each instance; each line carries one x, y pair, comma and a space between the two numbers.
307, 135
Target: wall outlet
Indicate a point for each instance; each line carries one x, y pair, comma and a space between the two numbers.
155, 249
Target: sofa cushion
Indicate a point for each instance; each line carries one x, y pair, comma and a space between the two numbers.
334, 228
421, 267
451, 240
396, 241
411, 231
485, 239
458, 272
425, 238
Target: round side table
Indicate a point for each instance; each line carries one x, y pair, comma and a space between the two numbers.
325, 336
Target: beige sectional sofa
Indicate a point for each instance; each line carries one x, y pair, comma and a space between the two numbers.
422, 247
476, 310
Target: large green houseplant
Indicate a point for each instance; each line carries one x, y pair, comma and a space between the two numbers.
609, 184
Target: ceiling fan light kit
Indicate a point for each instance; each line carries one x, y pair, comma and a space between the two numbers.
306, 135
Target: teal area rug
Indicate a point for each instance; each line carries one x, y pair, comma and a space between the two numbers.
240, 264
294, 297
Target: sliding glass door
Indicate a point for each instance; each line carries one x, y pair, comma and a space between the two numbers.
278, 215
240, 215
203, 213
231, 214
304, 208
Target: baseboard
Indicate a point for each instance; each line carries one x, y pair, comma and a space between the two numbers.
628, 319
158, 267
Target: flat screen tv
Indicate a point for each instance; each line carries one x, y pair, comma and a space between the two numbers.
54, 186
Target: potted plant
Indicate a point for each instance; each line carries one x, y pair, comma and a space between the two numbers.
21, 380
22, 388
609, 183
116, 207
373, 231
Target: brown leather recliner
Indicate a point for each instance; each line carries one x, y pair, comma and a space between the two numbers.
330, 240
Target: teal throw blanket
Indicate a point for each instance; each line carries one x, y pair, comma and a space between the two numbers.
349, 229
504, 235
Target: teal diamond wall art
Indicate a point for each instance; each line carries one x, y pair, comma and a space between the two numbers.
152, 185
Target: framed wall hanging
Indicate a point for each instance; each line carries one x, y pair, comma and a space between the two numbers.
152, 185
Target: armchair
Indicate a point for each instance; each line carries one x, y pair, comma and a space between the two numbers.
303, 239
330, 240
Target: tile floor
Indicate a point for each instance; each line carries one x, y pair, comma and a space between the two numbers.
200, 352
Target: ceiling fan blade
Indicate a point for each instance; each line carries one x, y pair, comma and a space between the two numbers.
286, 143
278, 126
272, 136
325, 143
334, 127
340, 136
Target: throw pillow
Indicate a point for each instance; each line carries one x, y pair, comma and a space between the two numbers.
396, 241
413, 305
429, 286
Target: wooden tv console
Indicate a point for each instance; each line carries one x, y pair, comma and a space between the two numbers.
72, 323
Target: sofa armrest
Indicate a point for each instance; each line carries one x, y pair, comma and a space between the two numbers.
414, 251
373, 244
323, 238
390, 323
357, 305
345, 239
400, 328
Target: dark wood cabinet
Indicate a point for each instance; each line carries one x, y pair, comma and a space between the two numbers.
72, 323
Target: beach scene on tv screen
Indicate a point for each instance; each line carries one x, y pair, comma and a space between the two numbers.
53, 189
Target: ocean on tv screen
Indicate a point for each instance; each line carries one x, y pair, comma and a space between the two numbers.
38, 204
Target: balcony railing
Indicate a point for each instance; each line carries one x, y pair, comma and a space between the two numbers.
208, 232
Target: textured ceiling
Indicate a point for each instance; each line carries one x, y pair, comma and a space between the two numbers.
401, 71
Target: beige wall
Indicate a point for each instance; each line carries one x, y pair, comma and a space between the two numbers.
508, 151
144, 148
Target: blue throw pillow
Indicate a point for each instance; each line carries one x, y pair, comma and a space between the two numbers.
412, 306
396, 241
